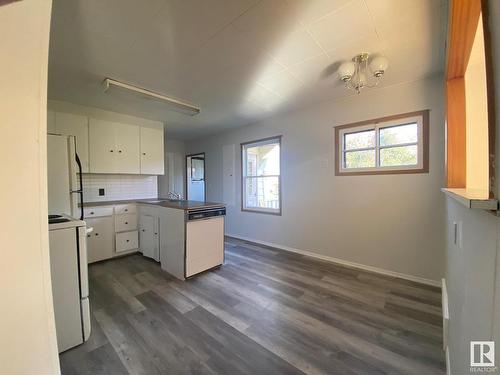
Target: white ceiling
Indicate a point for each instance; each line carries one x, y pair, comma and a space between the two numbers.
239, 60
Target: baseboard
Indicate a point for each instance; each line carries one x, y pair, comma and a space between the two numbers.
364, 267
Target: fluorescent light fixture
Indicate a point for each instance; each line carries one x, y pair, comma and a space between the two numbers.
176, 104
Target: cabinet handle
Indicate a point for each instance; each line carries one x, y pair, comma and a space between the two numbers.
128, 240
126, 210
92, 213
126, 223
120, 151
88, 235
111, 151
156, 233
143, 230
97, 234
144, 153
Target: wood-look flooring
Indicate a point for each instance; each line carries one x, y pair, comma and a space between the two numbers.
265, 311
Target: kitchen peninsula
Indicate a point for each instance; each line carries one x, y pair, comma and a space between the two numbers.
186, 237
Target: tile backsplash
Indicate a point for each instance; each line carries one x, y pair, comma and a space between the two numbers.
118, 187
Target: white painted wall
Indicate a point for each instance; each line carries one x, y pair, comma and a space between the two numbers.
27, 329
175, 173
392, 222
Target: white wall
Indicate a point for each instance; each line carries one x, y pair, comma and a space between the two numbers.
470, 280
27, 329
392, 222
175, 171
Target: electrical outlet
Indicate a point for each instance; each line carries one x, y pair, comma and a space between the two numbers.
101, 192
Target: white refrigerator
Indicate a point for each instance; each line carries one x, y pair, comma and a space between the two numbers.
64, 176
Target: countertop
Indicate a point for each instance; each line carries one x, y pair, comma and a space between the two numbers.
161, 202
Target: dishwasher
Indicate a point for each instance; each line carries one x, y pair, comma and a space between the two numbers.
204, 239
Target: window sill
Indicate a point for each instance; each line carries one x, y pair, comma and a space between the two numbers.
475, 199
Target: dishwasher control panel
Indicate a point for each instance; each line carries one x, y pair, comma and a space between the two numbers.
205, 213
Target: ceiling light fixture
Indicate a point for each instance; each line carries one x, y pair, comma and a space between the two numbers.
177, 105
362, 71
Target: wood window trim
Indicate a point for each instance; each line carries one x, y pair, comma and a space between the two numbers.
257, 210
464, 17
425, 145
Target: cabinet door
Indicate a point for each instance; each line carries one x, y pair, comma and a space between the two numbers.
127, 147
69, 124
100, 240
146, 235
152, 154
102, 148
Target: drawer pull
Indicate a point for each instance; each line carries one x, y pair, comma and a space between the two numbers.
120, 151
88, 235
126, 223
110, 150
97, 234
156, 233
126, 210
143, 230
91, 212
128, 240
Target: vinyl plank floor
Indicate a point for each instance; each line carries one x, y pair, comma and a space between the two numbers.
265, 311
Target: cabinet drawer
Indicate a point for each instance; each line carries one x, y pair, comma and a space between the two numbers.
125, 222
90, 212
126, 241
125, 209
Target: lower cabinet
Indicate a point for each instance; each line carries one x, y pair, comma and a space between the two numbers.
126, 241
100, 240
149, 236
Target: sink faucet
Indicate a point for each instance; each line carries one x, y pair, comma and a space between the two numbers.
172, 195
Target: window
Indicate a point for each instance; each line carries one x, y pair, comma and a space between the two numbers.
261, 180
396, 144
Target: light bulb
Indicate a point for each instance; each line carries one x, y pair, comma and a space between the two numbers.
379, 65
346, 70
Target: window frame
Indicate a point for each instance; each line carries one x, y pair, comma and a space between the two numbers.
422, 120
243, 147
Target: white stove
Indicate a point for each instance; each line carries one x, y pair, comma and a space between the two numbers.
69, 273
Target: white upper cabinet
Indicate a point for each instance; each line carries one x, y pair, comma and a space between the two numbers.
111, 147
128, 146
114, 147
76, 125
152, 153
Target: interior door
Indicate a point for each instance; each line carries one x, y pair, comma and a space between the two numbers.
127, 148
195, 176
152, 156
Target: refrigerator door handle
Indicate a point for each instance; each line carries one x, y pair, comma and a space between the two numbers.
82, 253
80, 189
